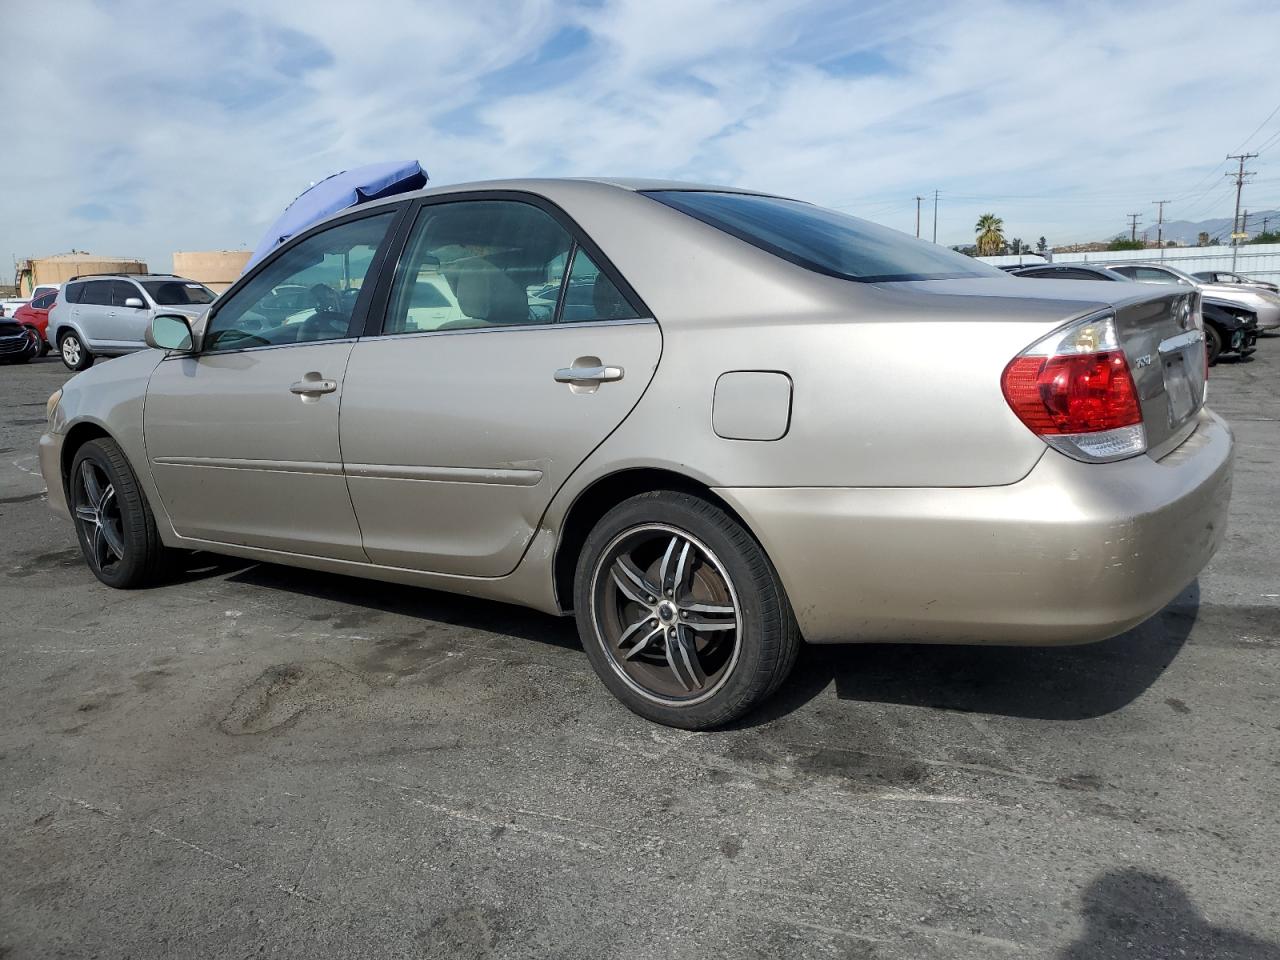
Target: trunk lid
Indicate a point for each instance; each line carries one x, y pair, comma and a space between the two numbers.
1163, 341
1158, 326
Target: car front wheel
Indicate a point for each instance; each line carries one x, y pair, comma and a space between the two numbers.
114, 524
680, 612
75, 354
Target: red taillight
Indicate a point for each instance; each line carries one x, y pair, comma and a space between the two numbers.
1073, 389
1077, 393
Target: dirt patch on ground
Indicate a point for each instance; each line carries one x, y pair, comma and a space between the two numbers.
281, 694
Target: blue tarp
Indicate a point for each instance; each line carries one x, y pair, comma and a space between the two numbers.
342, 190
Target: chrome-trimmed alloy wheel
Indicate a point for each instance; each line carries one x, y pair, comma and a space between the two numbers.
666, 614
71, 351
97, 513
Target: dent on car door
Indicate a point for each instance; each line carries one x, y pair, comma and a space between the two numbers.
495, 376
243, 437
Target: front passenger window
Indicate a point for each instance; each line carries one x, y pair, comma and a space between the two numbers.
479, 263
306, 294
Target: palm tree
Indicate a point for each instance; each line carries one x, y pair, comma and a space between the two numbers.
990, 231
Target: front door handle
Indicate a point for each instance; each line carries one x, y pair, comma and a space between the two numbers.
312, 385
596, 374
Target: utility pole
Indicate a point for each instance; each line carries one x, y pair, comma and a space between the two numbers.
1133, 226
935, 216
918, 199
1240, 176
1160, 225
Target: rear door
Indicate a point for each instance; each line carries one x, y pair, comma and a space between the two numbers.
243, 437
91, 313
481, 393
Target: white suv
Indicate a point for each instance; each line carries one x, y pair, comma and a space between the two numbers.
107, 315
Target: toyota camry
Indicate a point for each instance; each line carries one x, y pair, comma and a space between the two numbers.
709, 423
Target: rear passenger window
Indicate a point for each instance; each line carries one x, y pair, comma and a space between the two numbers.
591, 295
97, 292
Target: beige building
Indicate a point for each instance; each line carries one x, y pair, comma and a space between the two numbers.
216, 269
63, 266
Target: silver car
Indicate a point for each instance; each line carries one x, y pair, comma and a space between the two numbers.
1263, 304
767, 422
108, 315
1226, 276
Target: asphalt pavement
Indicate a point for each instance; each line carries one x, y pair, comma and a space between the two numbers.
255, 760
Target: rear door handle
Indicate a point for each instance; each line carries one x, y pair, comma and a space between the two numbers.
312, 385
600, 374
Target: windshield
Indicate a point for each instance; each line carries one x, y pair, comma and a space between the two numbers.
175, 293
824, 240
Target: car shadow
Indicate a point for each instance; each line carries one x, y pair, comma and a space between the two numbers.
417, 602
1045, 683
1048, 683
1132, 914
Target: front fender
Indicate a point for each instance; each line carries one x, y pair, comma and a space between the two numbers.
109, 398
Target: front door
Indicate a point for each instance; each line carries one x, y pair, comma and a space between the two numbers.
495, 376
243, 437
125, 325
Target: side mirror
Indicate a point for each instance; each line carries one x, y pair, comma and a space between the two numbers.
135, 302
170, 331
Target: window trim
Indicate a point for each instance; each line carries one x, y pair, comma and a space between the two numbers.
376, 317
368, 290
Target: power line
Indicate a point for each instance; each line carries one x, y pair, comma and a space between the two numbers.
1259, 127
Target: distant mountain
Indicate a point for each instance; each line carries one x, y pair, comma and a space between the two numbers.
1187, 231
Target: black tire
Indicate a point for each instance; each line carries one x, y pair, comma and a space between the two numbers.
1212, 343
80, 357
42, 344
128, 517
765, 641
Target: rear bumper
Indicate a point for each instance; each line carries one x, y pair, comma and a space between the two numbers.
1073, 553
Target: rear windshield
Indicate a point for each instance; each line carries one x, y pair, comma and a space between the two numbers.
173, 293
824, 240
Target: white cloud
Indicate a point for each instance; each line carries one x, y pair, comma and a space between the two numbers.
139, 135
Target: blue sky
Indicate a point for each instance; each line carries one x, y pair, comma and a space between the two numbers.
137, 134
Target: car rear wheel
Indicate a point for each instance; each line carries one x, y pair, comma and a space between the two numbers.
75, 355
680, 612
1212, 342
114, 524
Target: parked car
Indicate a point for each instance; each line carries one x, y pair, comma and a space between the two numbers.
1264, 305
774, 421
35, 315
1226, 276
10, 305
1228, 328
107, 315
18, 343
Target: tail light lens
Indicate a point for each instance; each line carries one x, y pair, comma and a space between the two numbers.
1074, 389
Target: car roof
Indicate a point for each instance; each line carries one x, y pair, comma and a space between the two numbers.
548, 186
